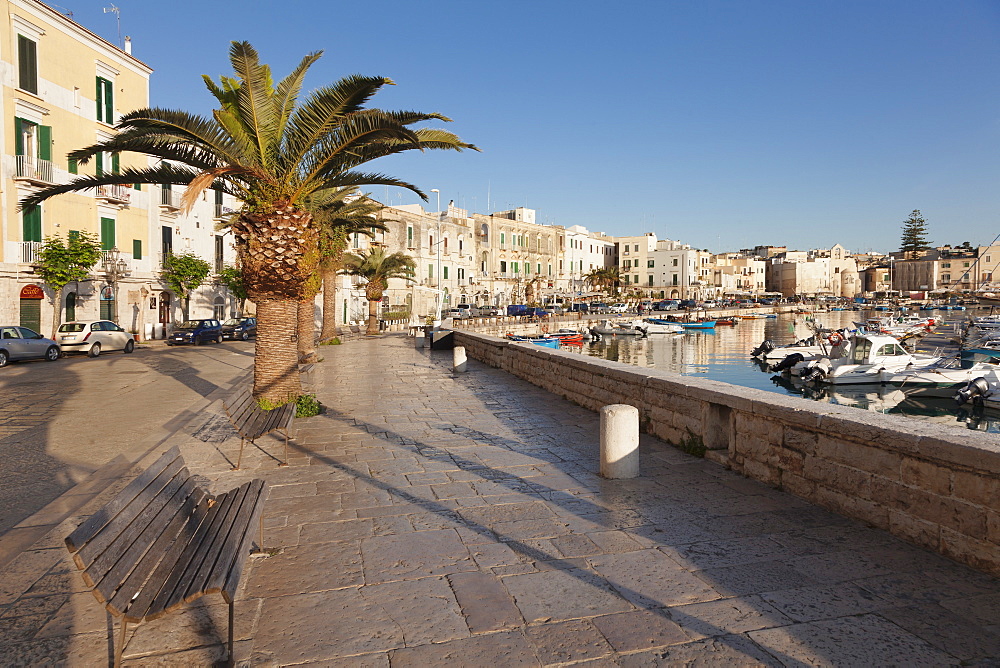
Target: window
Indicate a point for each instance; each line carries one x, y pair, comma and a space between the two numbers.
460, 246
945, 277
946, 265
527, 267
461, 273
109, 160
31, 220
503, 266
430, 271
105, 101
637, 248
516, 267
32, 140
626, 279
137, 249
446, 245
409, 237
538, 268
650, 283
503, 238
219, 253
650, 264
107, 233
27, 64
444, 272
675, 262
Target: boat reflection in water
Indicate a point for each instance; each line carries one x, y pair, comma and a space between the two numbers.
724, 355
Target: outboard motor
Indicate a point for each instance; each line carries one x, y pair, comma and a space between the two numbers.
595, 335
817, 371
788, 362
763, 349
976, 390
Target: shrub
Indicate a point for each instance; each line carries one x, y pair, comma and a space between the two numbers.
307, 406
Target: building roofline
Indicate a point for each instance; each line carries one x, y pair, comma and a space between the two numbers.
59, 16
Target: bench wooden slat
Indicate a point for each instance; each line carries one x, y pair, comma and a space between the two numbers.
244, 407
99, 542
93, 524
159, 552
139, 609
171, 594
255, 503
211, 564
112, 567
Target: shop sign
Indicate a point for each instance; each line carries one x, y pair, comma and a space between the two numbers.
32, 292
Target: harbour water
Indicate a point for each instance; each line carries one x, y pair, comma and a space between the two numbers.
724, 354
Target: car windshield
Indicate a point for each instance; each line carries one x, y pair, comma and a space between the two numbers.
232, 322
189, 324
72, 327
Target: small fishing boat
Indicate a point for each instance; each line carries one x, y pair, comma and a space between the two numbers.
608, 328
568, 337
657, 326
537, 340
872, 359
941, 379
698, 324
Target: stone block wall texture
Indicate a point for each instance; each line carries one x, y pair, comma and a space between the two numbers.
932, 485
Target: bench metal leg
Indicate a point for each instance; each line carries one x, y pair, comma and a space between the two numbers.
121, 641
239, 459
232, 616
285, 463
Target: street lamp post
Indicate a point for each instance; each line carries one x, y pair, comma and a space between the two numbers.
438, 244
115, 268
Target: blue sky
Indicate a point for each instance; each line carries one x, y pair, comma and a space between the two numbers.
724, 124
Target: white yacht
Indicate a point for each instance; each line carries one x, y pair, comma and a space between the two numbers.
872, 359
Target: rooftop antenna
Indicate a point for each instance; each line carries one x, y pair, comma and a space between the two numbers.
118, 15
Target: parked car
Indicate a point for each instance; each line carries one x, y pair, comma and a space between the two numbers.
93, 337
21, 343
710, 303
599, 307
486, 311
196, 332
687, 303
579, 307
668, 305
239, 328
456, 313
618, 308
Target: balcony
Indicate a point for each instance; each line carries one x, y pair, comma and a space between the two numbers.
33, 170
29, 251
169, 200
116, 194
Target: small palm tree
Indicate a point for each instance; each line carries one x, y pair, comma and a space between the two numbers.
377, 268
272, 152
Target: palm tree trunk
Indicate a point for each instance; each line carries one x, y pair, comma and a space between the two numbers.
329, 328
276, 364
373, 317
306, 326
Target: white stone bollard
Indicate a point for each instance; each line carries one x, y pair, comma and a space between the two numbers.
419, 339
459, 359
619, 441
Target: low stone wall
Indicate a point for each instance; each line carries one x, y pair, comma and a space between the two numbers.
930, 484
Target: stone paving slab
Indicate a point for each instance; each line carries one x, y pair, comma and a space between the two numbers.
433, 519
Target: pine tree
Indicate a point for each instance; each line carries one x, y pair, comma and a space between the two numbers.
914, 237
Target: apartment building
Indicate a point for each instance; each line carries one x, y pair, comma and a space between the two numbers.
64, 88
825, 272
581, 253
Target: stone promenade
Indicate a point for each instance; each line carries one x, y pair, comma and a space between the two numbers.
433, 519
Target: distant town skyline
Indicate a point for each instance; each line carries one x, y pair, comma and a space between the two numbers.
722, 124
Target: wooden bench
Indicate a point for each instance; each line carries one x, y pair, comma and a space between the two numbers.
251, 421
163, 541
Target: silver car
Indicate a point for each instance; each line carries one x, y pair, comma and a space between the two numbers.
93, 336
21, 343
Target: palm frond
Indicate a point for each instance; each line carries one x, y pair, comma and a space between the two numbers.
254, 98
287, 93
165, 173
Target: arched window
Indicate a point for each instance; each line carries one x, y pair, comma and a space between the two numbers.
485, 263
71, 307
484, 232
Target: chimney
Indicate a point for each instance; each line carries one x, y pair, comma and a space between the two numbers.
128, 45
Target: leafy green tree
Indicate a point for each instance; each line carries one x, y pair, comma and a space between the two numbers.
61, 262
232, 278
271, 151
184, 273
914, 239
377, 268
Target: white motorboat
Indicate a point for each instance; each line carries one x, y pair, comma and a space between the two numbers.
872, 358
942, 379
660, 327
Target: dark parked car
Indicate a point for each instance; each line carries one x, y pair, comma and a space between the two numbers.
239, 328
196, 332
21, 343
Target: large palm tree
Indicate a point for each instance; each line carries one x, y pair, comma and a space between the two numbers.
376, 267
271, 151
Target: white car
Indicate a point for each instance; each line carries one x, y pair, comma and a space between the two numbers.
619, 308
94, 336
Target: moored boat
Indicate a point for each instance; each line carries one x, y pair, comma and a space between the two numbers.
537, 340
658, 326
872, 358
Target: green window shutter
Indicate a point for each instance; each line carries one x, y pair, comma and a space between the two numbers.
109, 103
115, 165
137, 186
27, 64
107, 233
73, 167
44, 142
97, 99
137, 249
32, 224
19, 136
100, 164
74, 234
430, 271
